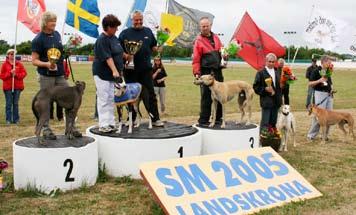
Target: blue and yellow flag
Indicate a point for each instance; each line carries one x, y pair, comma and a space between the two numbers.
84, 15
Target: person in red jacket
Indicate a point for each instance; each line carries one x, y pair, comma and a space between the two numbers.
206, 60
12, 85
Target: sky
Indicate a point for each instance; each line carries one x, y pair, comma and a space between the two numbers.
273, 16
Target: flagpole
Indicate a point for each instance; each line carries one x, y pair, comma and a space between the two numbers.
14, 65
167, 3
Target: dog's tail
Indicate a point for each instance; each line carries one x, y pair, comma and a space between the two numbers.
246, 95
34, 110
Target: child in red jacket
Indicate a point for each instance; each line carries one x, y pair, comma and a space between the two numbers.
12, 85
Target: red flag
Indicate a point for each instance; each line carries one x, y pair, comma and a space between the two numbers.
30, 12
255, 43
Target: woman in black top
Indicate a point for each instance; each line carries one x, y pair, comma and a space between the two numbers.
159, 75
107, 66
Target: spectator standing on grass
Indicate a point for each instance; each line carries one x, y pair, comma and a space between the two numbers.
12, 86
159, 76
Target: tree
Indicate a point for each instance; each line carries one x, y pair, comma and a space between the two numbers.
4, 46
24, 48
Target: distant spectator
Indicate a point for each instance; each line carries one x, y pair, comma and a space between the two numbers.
12, 86
310, 70
159, 76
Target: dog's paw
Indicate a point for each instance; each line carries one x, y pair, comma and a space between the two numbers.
211, 125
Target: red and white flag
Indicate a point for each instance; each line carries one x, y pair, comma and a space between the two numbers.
255, 43
30, 12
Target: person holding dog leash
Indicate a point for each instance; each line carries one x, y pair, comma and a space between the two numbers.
206, 60
11, 89
322, 95
107, 67
50, 73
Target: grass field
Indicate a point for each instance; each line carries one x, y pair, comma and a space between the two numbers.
331, 168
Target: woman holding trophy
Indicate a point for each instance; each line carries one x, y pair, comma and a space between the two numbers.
107, 66
47, 55
267, 86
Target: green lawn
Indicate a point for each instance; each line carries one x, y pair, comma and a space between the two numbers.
331, 168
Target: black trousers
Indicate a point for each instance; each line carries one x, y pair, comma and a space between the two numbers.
59, 111
205, 99
285, 93
269, 117
145, 79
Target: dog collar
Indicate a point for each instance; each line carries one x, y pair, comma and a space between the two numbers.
285, 114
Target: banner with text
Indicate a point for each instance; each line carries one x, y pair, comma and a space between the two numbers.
239, 182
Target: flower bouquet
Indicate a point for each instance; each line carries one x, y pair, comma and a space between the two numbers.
326, 73
288, 75
73, 43
270, 136
230, 50
3, 166
162, 36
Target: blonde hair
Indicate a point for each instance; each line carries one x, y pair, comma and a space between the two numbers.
46, 17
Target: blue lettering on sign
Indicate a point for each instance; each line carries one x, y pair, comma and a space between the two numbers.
213, 207
302, 189
243, 170
260, 167
229, 180
277, 194
264, 196
282, 169
289, 190
228, 204
175, 189
197, 179
241, 202
198, 210
180, 210
250, 197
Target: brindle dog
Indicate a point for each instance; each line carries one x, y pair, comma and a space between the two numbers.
70, 98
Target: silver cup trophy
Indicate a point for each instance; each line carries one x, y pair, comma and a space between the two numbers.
132, 47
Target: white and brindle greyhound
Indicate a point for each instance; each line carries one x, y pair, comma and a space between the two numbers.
225, 91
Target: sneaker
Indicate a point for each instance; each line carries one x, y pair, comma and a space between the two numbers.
8, 122
107, 129
158, 123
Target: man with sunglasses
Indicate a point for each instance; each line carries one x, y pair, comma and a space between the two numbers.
267, 86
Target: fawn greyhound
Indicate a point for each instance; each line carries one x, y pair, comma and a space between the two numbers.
328, 117
225, 91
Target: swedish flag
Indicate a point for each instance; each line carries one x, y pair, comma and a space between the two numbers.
84, 15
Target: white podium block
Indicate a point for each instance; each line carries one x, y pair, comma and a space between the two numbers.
123, 153
232, 137
58, 164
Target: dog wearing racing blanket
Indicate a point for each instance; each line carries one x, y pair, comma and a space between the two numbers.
130, 95
225, 91
70, 98
327, 118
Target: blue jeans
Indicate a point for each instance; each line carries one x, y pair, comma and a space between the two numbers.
12, 105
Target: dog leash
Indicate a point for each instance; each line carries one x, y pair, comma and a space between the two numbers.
70, 68
322, 101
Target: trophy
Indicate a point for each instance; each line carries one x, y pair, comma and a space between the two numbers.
132, 47
269, 81
53, 55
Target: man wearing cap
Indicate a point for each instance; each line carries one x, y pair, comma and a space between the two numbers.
311, 69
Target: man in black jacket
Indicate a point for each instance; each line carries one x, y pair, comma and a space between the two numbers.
267, 86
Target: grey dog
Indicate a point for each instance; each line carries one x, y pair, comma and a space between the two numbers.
70, 98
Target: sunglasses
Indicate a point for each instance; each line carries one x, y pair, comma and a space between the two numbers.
271, 61
11, 53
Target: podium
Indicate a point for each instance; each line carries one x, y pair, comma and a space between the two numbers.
123, 153
57, 164
231, 138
